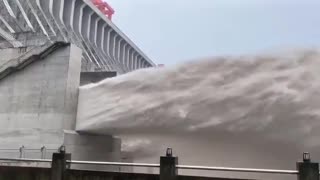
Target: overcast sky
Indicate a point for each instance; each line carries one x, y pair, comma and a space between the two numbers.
171, 31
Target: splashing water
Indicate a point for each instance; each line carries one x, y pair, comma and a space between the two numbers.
249, 111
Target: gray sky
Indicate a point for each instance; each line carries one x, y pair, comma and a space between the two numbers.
171, 31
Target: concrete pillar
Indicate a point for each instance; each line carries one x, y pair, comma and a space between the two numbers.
308, 170
113, 46
97, 31
59, 164
119, 50
168, 170
124, 55
136, 62
140, 62
130, 58
92, 24
102, 37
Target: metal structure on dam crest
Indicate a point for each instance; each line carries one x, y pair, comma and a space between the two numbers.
105, 48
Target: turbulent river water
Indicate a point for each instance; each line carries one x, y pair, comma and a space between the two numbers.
254, 111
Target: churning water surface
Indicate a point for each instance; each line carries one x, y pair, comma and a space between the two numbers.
259, 111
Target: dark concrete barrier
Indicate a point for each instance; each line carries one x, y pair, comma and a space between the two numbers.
95, 175
24, 173
30, 173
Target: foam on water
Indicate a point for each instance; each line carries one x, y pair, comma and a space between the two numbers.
262, 106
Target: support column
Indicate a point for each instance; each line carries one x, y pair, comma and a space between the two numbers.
140, 62
131, 59
113, 47
124, 55
59, 164
136, 62
308, 170
119, 51
168, 170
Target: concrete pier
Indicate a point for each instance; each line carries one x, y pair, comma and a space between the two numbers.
38, 96
48, 48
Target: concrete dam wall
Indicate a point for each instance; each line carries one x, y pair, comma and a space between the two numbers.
25, 23
39, 95
48, 48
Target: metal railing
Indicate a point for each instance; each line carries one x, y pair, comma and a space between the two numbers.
170, 163
114, 163
187, 167
26, 160
22, 151
249, 170
210, 168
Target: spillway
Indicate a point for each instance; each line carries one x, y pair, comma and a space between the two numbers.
258, 111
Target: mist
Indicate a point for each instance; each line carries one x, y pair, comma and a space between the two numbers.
258, 111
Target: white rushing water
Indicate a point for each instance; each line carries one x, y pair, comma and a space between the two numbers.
259, 111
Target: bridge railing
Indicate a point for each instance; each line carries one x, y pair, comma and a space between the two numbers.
61, 161
24, 152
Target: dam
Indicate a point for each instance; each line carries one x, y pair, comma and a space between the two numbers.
259, 111
48, 48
